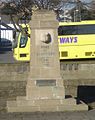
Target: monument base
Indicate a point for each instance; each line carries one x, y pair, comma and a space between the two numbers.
45, 105
44, 99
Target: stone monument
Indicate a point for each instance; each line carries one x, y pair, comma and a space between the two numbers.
45, 88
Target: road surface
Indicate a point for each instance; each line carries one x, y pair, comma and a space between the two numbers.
89, 115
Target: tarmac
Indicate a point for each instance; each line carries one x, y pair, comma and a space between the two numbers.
83, 115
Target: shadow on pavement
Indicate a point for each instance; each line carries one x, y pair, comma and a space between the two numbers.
87, 94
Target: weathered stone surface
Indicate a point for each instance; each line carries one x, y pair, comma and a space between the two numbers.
14, 72
40, 106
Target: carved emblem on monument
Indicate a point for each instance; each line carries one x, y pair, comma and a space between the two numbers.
48, 38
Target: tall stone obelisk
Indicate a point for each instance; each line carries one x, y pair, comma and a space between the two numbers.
45, 76
45, 89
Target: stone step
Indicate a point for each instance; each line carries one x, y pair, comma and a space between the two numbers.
12, 107
22, 109
22, 101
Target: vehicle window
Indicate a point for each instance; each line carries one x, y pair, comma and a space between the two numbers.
86, 29
76, 30
67, 30
23, 41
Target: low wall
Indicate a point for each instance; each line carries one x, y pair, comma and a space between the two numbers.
14, 72
75, 75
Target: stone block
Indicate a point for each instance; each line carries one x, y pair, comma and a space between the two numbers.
11, 104
45, 92
21, 98
23, 109
80, 107
48, 108
44, 102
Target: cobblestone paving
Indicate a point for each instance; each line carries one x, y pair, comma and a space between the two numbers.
86, 115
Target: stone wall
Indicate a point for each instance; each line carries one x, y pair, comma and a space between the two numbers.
75, 75
14, 72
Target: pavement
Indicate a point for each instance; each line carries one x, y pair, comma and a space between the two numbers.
83, 115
